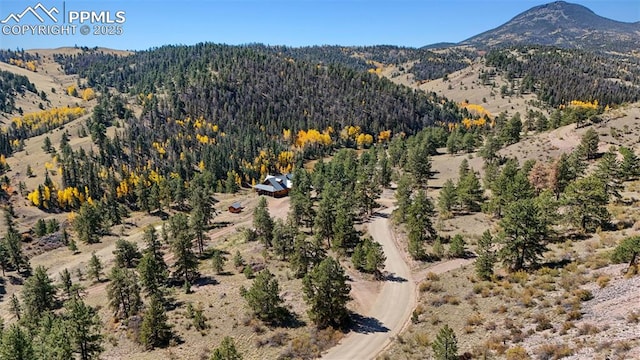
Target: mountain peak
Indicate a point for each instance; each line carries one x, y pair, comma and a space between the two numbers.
564, 24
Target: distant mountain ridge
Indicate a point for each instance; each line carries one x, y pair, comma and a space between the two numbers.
561, 24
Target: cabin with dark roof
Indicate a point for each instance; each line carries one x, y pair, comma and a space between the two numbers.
275, 185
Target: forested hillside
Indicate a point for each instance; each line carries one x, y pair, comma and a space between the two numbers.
203, 103
559, 75
424, 64
12, 85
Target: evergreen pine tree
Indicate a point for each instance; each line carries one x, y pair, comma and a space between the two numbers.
486, 256
17, 344
52, 342
326, 291
263, 223
445, 346
38, 294
456, 249
154, 331
84, 329
66, 284
420, 224
217, 262
447, 198
403, 198
264, 297
525, 234
14, 305
123, 292
630, 166
186, 264
226, 350
126, 254
94, 269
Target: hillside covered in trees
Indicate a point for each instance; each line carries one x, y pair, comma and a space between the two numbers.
116, 239
235, 110
559, 75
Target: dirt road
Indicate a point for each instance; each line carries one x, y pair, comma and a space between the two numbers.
392, 309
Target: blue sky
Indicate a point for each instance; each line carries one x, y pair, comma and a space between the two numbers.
285, 22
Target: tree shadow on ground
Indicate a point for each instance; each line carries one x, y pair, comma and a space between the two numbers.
210, 251
393, 278
556, 264
163, 215
366, 325
15, 280
287, 319
204, 281
379, 214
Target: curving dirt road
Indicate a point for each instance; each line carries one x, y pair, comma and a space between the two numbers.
392, 309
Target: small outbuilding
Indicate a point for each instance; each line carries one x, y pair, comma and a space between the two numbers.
235, 208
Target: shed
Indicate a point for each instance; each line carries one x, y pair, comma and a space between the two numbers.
235, 208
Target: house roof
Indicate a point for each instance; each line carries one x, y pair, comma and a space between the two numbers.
263, 187
236, 205
286, 181
275, 183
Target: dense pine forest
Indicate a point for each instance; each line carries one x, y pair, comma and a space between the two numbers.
427, 64
238, 110
558, 76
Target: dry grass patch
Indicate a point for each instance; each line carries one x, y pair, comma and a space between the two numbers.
517, 353
603, 280
553, 351
633, 317
475, 320
312, 344
588, 329
430, 286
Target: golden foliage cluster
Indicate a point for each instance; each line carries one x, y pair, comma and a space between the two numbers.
384, 136
29, 65
476, 110
313, 137
88, 94
41, 121
584, 104
469, 123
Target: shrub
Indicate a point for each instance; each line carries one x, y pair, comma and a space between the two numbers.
583, 295
432, 276
490, 326
553, 351
422, 339
603, 280
519, 276
496, 343
430, 286
574, 315
566, 326
588, 329
475, 319
452, 300
517, 353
